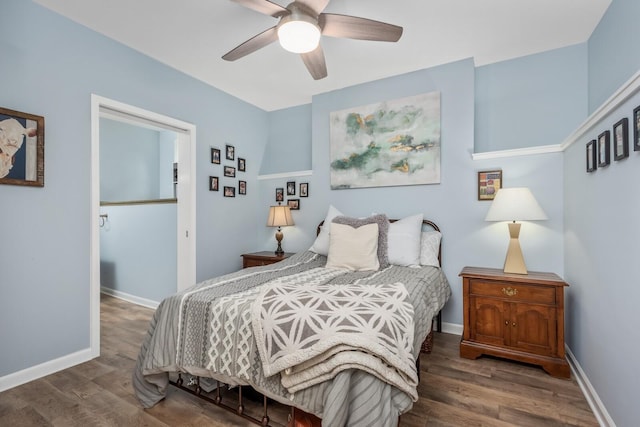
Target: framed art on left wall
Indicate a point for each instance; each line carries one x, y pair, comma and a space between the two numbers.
21, 148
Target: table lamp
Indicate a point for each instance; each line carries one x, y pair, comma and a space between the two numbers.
515, 204
279, 216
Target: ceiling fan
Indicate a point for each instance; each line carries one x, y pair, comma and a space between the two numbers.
300, 27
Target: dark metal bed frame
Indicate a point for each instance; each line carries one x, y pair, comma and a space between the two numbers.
308, 420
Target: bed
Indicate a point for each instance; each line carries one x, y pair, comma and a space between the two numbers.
336, 343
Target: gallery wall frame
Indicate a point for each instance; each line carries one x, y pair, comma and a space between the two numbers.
215, 156
592, 155
604, 150
21, 148
230, 152
636, 129
621, 139
489, 182
213, 183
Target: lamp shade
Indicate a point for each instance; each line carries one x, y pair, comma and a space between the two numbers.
515, 204
298, 33
279, 216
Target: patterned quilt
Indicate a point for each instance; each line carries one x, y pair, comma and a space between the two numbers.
208, 331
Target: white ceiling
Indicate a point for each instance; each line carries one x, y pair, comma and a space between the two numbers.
192, 35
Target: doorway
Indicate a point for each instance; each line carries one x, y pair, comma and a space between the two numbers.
185, 194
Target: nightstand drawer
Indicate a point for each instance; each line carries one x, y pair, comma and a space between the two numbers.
253, 262
514, 291
257, 259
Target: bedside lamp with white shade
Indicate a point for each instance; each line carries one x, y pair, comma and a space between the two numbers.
515, 204
279, 216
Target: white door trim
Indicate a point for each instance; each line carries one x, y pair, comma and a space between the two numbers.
186, 198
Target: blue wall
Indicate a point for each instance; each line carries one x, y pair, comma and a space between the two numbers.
138, 250
289, 146
53, 66
602, 230
531, 101
468, 239
130, 163
613, 51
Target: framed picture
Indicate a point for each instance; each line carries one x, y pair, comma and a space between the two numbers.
621, 139
603, 149
21, 148
215, 156
294, 204
230, 152
242, 164
242, 187
489, 182
229, 191
304, 189
213, 183
636, 129
279, 194
230, 171
291, 188
592, 156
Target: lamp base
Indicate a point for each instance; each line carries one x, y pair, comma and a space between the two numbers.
279, 236
514, 262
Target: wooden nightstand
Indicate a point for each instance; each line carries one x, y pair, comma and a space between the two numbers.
262, 258
516, 316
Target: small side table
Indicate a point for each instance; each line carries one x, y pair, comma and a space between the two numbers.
255, 259
519, 317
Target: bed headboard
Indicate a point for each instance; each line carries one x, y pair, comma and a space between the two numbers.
426, 222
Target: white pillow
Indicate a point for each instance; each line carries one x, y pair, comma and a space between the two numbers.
353, 248
403, 240
321, 244
429, 248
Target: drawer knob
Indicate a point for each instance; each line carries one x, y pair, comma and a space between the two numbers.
510, 292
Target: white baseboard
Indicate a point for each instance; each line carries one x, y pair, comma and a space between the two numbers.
130, 298
47, 368
598, 408
451, 328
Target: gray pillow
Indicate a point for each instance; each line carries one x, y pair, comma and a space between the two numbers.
383, 230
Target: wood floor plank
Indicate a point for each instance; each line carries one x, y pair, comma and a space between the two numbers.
452, 391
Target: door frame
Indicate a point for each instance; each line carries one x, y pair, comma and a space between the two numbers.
186, 191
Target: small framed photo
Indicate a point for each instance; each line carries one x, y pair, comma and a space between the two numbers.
489, 182
213, 183
636, 129
604, 149
291, 188
230, 171
230, 152
304, 189
592, 156
294, 204
215, 156
21, 148
279, 194
242, 164
242, 187
621, 139
229, 191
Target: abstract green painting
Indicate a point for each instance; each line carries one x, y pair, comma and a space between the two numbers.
386, 144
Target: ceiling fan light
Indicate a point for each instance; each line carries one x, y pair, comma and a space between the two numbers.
298, 36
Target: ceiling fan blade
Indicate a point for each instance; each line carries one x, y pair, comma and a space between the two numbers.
264, 6
315, 63
353, 27
257, 42
316, 5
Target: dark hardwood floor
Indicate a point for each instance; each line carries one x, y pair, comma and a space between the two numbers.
453, 391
